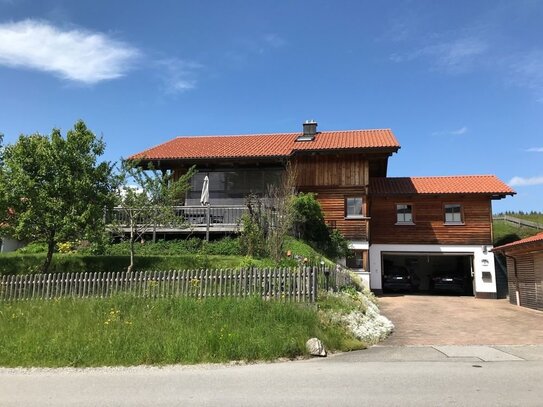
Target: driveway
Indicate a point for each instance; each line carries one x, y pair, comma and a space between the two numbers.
441, 320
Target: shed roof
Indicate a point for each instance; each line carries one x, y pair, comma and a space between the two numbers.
268, 145
461, 184
523, 243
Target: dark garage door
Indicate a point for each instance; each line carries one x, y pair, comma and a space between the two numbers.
428, 273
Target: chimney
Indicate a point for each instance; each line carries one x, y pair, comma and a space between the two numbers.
310, 130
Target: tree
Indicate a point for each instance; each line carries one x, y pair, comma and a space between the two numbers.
54, 188
269, 219
280, 202
310, 226
146, 198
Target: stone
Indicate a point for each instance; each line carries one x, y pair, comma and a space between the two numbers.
315, 347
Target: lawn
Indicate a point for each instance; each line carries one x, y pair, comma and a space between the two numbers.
163, 255
532, 217
130, 331
506, 232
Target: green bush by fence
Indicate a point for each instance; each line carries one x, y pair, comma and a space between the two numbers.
14, 263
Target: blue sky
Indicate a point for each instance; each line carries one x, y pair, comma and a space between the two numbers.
460, 83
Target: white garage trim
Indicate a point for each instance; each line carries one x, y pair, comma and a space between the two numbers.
483, 261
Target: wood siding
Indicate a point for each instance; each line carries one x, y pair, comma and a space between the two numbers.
335, 171
334, 178
527, 280
428, 219
333, 206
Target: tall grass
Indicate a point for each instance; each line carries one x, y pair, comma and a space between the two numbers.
505, 232
131, 331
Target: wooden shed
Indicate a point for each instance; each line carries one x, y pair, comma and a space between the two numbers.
525, 271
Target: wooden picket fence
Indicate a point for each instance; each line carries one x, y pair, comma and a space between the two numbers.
296, 285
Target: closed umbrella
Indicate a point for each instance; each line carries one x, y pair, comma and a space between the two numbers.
204, 199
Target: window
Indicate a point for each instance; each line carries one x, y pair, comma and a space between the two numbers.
354, 207
453, 213
404, 213
355, 260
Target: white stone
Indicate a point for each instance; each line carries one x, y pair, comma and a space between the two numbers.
315, 347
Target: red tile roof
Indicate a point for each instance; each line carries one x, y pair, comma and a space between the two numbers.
517, 245
463, 184
268, 145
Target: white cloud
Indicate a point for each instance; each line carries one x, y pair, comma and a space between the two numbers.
75, 55
274, 40
535, 150
457, 132
460, 131
526, 70
524, 182
456, 56
178, 76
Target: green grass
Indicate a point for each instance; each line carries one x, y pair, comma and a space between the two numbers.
131, 331
506, 232
156, 256
16, 263
533, 216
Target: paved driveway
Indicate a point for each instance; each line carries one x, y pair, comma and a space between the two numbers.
441, 320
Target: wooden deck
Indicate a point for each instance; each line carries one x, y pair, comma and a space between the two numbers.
189, 220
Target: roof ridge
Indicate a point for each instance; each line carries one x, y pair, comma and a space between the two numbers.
442, 176
291, 133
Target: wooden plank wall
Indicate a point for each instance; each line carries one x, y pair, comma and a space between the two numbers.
333, 206
429, 227
334, 177
336, 171
528, 287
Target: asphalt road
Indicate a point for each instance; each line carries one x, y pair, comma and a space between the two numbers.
391, 376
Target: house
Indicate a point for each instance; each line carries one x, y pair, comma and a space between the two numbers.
419, 223
435, 224
525, 271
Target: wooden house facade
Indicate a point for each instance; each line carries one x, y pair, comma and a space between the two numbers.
347, 170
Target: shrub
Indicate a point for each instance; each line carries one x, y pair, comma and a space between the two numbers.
309, 225
34, 247
225, 247
253, 237
75, 263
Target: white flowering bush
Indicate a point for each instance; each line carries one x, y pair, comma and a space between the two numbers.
369, 326
358, 311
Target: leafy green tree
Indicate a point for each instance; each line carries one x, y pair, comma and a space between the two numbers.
146, 199
53, 188
310, 226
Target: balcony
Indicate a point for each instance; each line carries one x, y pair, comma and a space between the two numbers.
186, 220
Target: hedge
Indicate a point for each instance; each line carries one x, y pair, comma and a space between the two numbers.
14, 263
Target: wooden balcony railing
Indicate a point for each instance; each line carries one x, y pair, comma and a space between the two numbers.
223, 218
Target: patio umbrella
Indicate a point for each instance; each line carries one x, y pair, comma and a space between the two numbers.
204, 199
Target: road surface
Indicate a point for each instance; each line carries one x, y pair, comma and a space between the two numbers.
392, 376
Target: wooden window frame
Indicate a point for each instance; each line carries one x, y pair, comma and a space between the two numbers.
404, 222
454, 222
362, 260
362, 207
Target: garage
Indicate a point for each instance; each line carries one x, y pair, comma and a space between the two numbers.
443, 273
